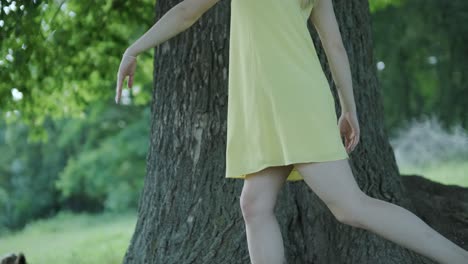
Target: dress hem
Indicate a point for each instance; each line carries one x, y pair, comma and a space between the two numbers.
294, 175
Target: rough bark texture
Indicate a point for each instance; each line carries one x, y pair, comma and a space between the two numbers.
444, 207
189, 213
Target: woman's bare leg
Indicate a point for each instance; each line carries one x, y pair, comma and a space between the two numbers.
334, 183
257, 201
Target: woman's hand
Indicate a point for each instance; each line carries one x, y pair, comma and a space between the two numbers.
349, 129
127, 67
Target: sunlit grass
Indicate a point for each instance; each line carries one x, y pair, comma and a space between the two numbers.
73, 239
448, 173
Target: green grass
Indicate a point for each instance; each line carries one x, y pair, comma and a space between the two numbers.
73, 239
449, 172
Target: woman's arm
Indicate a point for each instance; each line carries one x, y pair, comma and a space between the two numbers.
177, 19
324, 20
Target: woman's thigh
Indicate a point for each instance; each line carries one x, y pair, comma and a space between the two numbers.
261, 188
333, 182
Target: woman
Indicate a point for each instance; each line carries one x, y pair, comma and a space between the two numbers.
282, 122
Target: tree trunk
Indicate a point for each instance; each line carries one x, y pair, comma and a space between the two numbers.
189, 213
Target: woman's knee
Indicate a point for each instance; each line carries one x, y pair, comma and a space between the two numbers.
254, 206
260, 192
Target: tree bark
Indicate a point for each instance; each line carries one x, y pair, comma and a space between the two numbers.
444, 207
189, 213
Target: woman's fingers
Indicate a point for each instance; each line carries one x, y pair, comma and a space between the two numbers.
127, 68
355, 139
349, 142
346, 143
130, 81
117, 88
344, 130
120, 81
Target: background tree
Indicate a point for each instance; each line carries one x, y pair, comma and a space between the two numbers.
189, 213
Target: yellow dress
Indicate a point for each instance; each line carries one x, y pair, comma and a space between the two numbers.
280, 107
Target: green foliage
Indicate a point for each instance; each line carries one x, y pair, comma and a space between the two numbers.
65, 55
422, 44
92, 163
27, 170
58, 65
112, 172
376, 5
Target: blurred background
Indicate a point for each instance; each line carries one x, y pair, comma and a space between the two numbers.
72, 162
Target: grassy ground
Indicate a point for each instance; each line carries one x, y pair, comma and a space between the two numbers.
73, 239
447, 173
